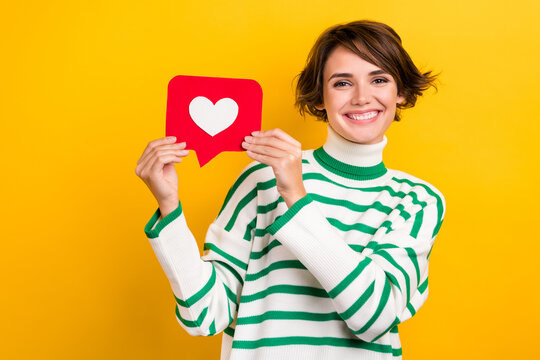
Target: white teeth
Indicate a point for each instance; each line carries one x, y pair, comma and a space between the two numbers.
365, 116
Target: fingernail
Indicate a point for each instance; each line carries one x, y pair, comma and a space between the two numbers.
255, 133
248, 138
172, 138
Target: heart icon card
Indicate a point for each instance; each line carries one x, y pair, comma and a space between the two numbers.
212, 114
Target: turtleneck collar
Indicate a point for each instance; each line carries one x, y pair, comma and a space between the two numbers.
349, 159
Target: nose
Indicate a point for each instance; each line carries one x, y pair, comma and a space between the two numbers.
361, 94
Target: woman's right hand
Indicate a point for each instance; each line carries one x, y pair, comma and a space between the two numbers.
156, 168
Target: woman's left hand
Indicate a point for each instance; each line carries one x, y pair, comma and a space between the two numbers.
279, 150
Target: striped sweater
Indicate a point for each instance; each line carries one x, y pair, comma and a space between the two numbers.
331, 277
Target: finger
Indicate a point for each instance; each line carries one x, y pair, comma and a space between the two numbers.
147, 164
160, 161
264, 159
265, 150
152, 144
273, 141
175, 146
146, 173
279, 134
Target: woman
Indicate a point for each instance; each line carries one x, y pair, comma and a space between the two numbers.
315, 254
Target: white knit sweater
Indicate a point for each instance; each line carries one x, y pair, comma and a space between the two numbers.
329, 278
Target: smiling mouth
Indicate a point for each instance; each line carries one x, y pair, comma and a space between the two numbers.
364, 117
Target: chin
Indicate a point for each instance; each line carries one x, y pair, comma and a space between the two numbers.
360, 134
366, 140
365, 137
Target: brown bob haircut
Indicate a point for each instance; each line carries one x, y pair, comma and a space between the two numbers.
376, 43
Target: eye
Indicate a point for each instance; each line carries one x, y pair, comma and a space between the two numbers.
340, 84
381, 80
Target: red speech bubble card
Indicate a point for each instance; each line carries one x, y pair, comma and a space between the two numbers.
212, 114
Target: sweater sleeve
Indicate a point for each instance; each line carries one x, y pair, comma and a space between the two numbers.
373, 290
207, 288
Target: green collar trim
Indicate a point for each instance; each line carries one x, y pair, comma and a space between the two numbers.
346, 170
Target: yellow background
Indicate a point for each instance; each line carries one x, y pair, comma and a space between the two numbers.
83, 89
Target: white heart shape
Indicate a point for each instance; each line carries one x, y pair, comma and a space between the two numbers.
213, 119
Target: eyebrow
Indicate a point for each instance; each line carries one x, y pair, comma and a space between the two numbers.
349, 75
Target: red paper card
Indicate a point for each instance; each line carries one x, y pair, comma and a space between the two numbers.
212, 114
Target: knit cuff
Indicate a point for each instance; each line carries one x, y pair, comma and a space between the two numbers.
153, 232
289, 214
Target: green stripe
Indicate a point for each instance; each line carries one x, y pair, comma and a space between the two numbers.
401, 208
260, 232
239, 181
259, 254
229, 331
440, 208
347, 227
379, 189
315, 176
230, 294
231, 270
229, 305
289, 214
315, 341
154, 233
386, 224
241, 204
235, 261
384, 299
249, 228
429, 253
414, 260
212, 329
410, 253
393, 279
255, 255
263, 209
358, 303
418, 218
372, 245
349, 278
394, 330
189, 323
285, 289
423, 287
411, 309
377, 205
346, 170
201, 293
285, 264
357, 248
287, 315
389, 328
247, 199
384, 254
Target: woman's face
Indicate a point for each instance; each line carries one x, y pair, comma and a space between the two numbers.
359, 97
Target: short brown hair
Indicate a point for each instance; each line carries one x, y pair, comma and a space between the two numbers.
374, 42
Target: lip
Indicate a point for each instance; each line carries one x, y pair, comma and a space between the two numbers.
362, 111
362, 122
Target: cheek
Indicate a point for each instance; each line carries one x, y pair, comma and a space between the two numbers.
389, 97
333, 99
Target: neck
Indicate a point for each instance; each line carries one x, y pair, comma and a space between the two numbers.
349, 159
352, 153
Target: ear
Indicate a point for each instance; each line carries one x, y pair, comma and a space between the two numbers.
319, 107
400, 99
